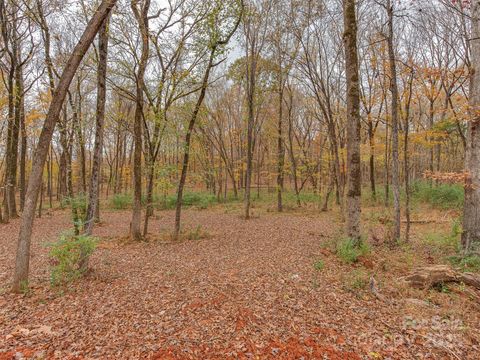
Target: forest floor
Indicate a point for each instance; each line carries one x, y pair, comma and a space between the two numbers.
271, 287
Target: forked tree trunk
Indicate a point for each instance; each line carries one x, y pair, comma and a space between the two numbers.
471, 210
141, 15
22, 263
354, 180
93, 195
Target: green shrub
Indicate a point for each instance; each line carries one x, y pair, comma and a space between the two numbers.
198, 199
121, 201
444, 196
349, 252
442, 241
67, 256
470, 263
78, 202
446, 242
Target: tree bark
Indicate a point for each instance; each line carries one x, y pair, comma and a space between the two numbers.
186, 147
142, 19
471, 210
354, 179
280, 149
251, 85
93, 195
22, 263
394, 91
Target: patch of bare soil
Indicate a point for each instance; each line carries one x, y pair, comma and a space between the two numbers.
247, 290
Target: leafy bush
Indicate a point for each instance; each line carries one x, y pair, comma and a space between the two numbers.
78, 202
444, 196
349, 252
67, 256
121, 201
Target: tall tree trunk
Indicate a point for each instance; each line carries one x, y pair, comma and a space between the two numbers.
22, 262
93, 195
394, 91
23, 137
471, 210
280, 149
371, 142
142, 20
293, 161
186, 146
406, 158
354, 179
80, 144
251, 85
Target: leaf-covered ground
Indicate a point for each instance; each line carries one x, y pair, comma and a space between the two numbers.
267, 288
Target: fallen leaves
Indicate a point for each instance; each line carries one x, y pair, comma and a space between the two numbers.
248, 292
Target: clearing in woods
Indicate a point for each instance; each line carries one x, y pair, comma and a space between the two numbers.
270, 287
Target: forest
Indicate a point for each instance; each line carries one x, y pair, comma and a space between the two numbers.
239, 179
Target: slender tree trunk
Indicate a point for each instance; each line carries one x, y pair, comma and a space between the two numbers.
432, 138
93, 195
23, 156
280, 149
394, 91
354, 179
406, 161
251, 84
142, 20
371, 142
22, 263
331, 184
186, 146
387, 167
80, 144
291, 153
150, 180
471, 210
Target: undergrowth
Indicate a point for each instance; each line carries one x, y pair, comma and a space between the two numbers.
356, 280
196, 234
443, 196
319, 265
469, 263
349, 252
67, 256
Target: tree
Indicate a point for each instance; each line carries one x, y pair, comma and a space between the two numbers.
220, 13
22, 261
471, 210
354, 180
255, 30
93, 196
395, 122
141, 15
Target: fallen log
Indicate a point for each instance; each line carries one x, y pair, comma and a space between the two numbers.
426, 221
427, 277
